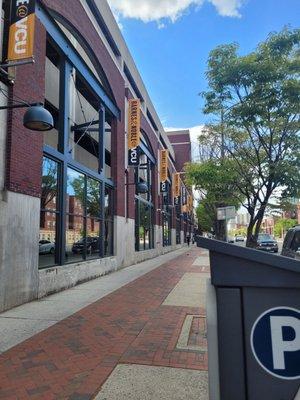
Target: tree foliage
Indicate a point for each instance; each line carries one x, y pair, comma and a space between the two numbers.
256, 100
282, 225
217, 189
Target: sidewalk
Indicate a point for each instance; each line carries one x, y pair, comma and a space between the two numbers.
144, 340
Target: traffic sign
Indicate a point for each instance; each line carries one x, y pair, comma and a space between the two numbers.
225, 213
275, 342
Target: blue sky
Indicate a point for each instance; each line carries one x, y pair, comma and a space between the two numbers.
172, 60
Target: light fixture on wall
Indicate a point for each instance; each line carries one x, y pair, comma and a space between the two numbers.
142, 188
36, 118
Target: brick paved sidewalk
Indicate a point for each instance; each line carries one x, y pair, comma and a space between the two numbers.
72, 359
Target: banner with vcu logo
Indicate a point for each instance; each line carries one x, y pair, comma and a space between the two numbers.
134, 131
176, 188
21, 31
164, 154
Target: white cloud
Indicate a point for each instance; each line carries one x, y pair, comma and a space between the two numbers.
156, 10
228, 8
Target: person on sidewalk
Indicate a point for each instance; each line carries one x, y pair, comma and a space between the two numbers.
188, 239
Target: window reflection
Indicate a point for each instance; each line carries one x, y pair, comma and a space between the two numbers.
93, 238
93, 198
49, 213
84, 115
145, 227
166, 229
107, 143
108, 221
75, 239
75, 192
52, 87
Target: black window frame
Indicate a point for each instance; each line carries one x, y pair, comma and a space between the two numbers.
63, 157
146, 202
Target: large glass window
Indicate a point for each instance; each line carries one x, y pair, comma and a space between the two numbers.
108, 222
84, 116
144, 227
83, 217
167, 214
77, 191
49, 213
52, 88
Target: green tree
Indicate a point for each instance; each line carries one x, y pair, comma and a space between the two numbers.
255, 99
283, 224
215, 180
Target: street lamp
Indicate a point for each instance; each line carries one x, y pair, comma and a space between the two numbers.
36, 118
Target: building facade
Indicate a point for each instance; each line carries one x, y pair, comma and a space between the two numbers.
70, 208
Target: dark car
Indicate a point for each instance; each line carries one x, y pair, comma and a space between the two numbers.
266, 242
92, 245
291, 243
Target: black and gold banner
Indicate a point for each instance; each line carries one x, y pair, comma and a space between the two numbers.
164, 154
134, 124
21, 31
176, 184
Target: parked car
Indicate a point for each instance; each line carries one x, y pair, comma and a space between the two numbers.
92, 245
239, 238
266, 242
230, 239
46, 247
291, 244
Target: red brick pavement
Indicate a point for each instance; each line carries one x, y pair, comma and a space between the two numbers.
72, 359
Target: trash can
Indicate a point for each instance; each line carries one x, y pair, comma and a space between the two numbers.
254, 344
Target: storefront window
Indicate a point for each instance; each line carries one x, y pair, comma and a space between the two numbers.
84, 116
178, 230
144, 228
49, 213
81, 145
108, 222
167, 214
52, 88
107, 164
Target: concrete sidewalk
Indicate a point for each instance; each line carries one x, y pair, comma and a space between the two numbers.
139, 333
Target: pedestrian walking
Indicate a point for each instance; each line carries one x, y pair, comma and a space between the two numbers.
188, 239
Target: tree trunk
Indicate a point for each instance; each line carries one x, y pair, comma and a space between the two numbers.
251, 242
255, 225
220, 230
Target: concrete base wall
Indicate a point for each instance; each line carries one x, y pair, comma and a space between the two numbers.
21, 280
55, 279
19, 237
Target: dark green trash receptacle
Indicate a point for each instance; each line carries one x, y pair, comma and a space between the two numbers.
257, 297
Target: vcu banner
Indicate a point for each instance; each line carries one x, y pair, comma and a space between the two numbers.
21, 31
134, 131
164, 170
176, 188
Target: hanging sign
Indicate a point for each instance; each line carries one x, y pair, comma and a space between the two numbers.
176, 184
164, 186
134, 132
184, 199
21, 31
190, 202
177, 201
184, 209
164, 165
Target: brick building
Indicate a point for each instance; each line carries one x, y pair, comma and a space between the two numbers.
71, 188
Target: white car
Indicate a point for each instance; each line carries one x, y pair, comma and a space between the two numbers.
46, 247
